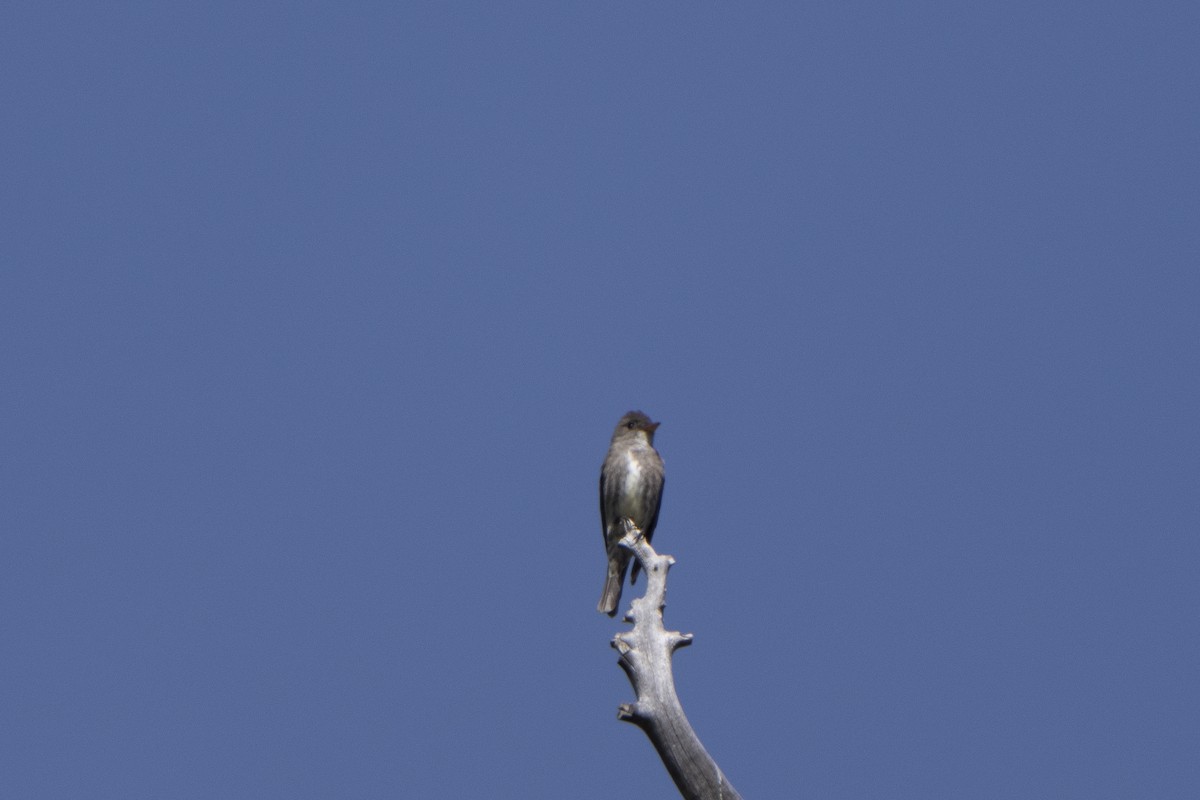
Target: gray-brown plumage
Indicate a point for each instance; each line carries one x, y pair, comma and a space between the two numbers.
631, 484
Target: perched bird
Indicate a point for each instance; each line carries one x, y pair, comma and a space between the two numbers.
631, 484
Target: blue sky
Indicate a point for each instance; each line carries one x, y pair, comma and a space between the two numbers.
317, 319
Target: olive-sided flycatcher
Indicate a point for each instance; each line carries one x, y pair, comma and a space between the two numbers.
631, 484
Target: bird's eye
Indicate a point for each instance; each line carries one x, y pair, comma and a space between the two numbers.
631, 425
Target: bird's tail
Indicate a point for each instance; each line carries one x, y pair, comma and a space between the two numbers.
611, 597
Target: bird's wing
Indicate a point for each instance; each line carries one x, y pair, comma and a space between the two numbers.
603, 521
654, 517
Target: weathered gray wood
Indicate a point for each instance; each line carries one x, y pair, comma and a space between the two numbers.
646, 658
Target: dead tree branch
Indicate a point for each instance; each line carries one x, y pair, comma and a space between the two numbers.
646, 658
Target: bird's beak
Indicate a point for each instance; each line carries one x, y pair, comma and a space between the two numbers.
652, 427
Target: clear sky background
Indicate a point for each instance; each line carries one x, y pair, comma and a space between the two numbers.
317, 318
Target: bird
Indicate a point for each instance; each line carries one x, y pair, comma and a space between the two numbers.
631, 484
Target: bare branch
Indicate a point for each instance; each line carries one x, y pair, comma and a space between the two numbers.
645, 655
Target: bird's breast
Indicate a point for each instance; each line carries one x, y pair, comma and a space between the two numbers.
634, 493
